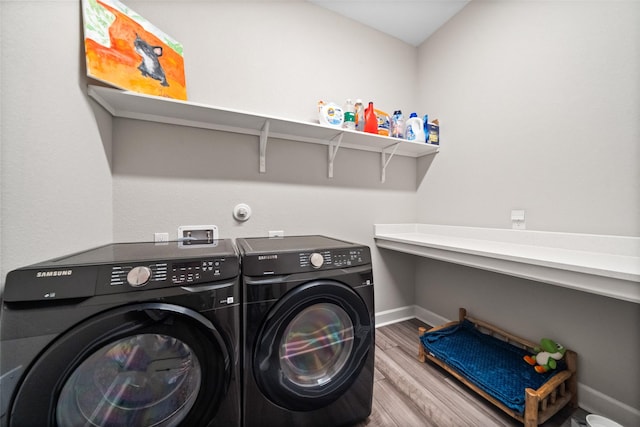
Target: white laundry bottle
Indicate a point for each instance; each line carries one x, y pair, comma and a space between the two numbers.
349, 115
414, 129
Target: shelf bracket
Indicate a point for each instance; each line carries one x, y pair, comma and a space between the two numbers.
264, 135
333, 150
385, 160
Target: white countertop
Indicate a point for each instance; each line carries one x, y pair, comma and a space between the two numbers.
604, 265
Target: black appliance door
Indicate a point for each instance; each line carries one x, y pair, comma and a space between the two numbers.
313, 345
150, 364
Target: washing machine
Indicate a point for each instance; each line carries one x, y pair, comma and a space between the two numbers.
128, 334
308, 331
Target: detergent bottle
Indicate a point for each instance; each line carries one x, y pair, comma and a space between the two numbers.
370, 119
434, 132
414, 129
330, 114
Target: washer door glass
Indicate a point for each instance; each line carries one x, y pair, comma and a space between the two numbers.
145, 379
312, 345
316, 345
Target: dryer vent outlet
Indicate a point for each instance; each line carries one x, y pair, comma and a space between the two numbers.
197, 234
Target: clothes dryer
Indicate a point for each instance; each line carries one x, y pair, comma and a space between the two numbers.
308, 323
129, 334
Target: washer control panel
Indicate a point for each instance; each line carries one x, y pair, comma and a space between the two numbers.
128, 267
161, 274
197, 271
138, 275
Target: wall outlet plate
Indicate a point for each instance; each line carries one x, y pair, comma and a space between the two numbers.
518, 220
160, 237
198, 235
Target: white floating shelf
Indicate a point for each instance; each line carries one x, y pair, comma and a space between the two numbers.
138, 106
603, 265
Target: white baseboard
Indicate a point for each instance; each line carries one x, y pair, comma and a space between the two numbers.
595, 402
396, 315
589, 399
429, 317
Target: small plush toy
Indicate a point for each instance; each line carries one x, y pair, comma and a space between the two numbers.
547, 354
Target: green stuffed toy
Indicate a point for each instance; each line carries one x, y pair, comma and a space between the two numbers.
547, 354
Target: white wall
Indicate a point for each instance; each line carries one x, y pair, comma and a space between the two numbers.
56, 177
281, 57
539, 105
60, 193
278, 58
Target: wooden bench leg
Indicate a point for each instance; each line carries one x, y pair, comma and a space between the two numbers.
531, 408
421, 354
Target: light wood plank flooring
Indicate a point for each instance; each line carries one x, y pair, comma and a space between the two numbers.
409, 393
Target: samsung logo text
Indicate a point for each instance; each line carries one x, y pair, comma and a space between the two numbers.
55, 273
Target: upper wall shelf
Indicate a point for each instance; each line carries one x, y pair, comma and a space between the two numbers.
603, 265
165, 110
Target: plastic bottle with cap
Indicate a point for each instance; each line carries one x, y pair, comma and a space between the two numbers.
359, 115
397, 124
349, 115
414, 129
370, 119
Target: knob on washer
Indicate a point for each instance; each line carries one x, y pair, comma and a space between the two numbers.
316, 260
139, 276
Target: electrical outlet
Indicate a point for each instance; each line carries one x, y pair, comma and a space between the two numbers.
190, 235
160, 237
517, 220
276, 233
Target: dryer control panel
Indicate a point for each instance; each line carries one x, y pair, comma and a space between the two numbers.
332, 258
305, 261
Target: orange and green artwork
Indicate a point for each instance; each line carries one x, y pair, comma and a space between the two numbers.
125, 50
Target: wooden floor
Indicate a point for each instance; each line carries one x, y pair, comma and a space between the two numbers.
409, 393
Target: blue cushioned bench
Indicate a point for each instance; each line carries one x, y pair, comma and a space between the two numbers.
490, 361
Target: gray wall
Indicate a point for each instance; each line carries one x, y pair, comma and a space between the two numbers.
539, 107
71, 181
56, 176
539, 104
278, 58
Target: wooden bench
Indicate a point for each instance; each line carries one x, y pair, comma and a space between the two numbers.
540, 404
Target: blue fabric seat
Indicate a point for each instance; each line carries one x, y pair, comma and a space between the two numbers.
493, 365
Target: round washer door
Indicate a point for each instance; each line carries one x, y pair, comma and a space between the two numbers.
313, 345
149, 364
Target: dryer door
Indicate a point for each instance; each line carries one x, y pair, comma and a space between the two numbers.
149, 364
313, 345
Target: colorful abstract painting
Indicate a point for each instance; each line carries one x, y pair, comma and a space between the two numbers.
125, 50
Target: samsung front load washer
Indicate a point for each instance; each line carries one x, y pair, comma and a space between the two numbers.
308, 331
129, 334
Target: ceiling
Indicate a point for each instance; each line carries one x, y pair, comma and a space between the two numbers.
411, 21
